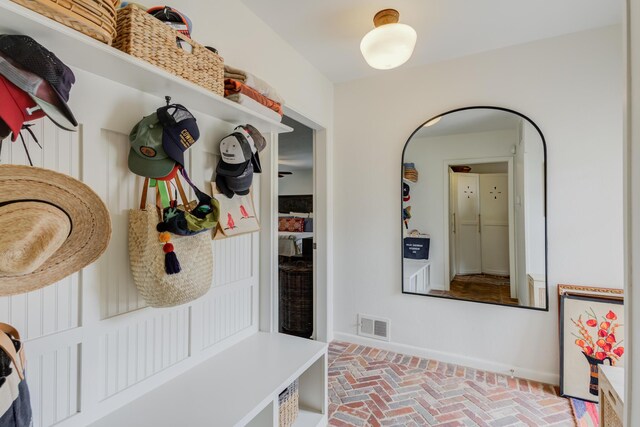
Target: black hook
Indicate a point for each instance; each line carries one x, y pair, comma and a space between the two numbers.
168, 99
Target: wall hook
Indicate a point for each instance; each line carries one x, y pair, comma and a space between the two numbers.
168, 99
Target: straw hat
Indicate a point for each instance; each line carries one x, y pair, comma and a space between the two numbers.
51, 225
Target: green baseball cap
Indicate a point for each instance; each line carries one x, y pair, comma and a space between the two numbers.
147, 157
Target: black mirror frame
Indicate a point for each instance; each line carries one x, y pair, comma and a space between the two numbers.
546, 239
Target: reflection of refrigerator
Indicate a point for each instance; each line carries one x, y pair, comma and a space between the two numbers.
481, 212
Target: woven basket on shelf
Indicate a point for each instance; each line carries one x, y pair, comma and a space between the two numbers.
145, 37
288, 405
609, 416
95, 18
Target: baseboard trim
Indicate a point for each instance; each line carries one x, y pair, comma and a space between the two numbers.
486, 365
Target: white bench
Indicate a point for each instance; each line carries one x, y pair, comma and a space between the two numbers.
237, 387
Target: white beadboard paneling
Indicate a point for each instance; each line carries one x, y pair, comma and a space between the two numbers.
54, 384
54, 308
119, 294
226, 313
60, 149
233, 259
129, 354
91, 341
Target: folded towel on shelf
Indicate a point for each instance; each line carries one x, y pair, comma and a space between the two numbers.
255, 106
233, 87
252, 81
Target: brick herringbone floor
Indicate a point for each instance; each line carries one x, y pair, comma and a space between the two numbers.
373, 387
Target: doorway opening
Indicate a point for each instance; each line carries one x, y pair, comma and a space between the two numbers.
481, 250
296, 267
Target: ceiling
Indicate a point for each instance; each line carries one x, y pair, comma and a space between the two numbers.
295, 149
328, 32
471, 121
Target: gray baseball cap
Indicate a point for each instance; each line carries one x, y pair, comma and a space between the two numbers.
257, 142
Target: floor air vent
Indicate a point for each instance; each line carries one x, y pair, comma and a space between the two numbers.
373, 327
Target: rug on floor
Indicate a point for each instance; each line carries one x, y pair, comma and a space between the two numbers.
585, 413
374, 387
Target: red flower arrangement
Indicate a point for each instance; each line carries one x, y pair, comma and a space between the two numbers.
606, 344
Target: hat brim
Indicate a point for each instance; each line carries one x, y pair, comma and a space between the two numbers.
170, 146
91, 223
56, 116
158, 168
255, 159
64, 108
228, 169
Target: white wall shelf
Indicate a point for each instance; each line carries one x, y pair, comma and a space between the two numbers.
237, 387
82, 52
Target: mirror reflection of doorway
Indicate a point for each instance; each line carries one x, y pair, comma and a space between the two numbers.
480, 268
473, 189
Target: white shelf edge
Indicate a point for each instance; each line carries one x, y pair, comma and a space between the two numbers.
273, 397
310, 418
82, 52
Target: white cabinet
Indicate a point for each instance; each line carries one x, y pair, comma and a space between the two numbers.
537, 290
417, 274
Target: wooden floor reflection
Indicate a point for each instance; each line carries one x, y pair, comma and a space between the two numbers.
480, 287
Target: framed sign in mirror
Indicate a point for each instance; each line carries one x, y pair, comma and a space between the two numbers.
473, 209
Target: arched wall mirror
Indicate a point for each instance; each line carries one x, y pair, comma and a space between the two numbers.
474, 209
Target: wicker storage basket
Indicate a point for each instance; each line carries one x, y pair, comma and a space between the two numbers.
288, 405
145, 37
95, 18
296, 298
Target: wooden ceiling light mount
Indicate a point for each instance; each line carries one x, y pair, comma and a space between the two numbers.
386, 16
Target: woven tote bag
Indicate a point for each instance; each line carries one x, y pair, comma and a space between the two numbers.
15, 405
147, 260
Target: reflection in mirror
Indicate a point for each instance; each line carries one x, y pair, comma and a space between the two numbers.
473, 209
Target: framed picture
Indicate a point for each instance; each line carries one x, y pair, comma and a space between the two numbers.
591, 334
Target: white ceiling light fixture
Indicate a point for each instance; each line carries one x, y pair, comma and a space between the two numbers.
390, 44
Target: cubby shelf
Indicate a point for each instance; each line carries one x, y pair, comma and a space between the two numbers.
238, 387
82, 52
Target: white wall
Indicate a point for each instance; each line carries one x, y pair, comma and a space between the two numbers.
300, 183
428, 213
92, 346
571, 87
246, 42
632, 211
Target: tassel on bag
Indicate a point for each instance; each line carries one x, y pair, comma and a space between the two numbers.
171, 263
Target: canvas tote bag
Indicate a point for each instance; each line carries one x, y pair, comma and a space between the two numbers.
237, 214
15, 405
147, 259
